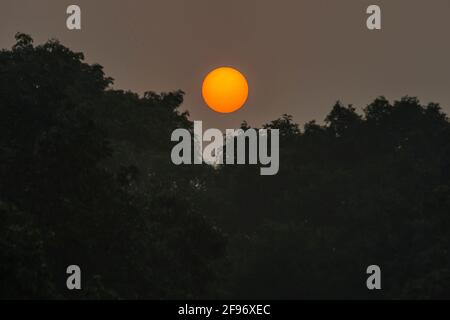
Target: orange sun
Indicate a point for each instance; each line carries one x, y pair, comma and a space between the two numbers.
225, 90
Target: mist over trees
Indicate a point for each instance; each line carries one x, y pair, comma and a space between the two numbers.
86, 178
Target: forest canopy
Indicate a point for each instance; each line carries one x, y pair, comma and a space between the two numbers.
86, 178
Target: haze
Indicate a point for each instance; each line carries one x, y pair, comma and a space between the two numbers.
299, 56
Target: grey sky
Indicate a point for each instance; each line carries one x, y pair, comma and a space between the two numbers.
299, 56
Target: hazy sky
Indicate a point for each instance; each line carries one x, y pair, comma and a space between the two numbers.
299, 56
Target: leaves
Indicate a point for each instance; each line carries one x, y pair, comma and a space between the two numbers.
86, 178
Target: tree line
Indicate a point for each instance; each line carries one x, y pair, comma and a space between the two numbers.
86, 178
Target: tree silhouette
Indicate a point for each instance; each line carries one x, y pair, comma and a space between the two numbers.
72, 161
86, 178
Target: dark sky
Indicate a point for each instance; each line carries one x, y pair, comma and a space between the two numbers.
299, 56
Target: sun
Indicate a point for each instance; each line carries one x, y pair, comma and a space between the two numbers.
225, 90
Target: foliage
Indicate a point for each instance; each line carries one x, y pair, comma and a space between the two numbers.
86, 178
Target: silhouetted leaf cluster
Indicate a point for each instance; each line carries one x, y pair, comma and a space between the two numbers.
86, 179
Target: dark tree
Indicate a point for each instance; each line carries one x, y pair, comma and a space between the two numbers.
86, 178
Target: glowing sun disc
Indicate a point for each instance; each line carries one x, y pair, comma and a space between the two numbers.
225, 90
